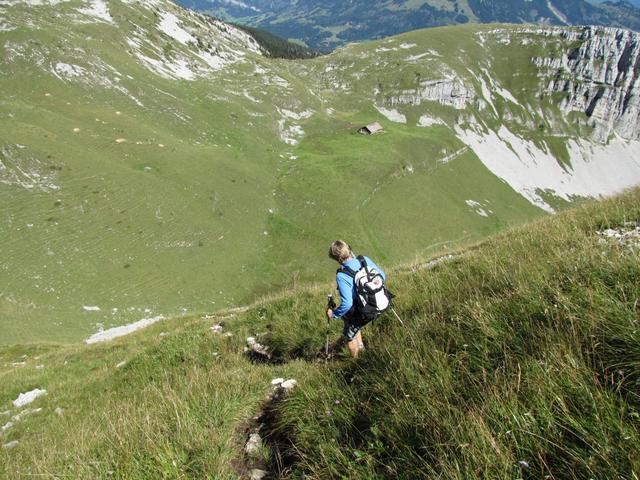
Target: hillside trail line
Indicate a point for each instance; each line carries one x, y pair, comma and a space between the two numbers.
385, 181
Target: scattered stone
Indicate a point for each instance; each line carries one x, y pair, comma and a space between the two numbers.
28, 397
162, 334
257, 474
228, 334
18, 364
433, 263
523, 463
118, 113
217, 328
59, 411
24, 413
39, 367
6, 427
289, 385
10, 445
121, 364
282, 386
253, 444
160, 145
258, 347
629, 236
76, 130
121, 140
47, 94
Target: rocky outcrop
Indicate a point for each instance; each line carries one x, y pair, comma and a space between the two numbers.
448, 91
600, 79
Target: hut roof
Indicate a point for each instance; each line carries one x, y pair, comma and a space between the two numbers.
374, 127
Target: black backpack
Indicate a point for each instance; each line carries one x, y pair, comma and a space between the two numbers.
372, 297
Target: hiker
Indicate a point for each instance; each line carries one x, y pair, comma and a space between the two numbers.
350, 307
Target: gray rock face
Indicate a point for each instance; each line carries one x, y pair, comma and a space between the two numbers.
446, 91
600, 78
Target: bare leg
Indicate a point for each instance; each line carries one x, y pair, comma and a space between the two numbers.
360, 342
354, 347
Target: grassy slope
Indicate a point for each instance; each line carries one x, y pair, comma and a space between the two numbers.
151, 230
134, 226
524, 349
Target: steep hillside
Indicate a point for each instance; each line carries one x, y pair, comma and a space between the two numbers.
155, 162
137, 150
334, 23
518, 358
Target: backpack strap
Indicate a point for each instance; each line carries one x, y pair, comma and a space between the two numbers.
363, 264
347, 271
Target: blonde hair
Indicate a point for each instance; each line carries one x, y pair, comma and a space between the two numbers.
340, 251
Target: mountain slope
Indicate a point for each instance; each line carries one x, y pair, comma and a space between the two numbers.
334, 23
155, 162
519, 357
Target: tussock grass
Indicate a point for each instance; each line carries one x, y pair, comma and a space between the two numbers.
518, 359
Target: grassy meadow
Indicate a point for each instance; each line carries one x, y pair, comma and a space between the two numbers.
130, 191
518, 358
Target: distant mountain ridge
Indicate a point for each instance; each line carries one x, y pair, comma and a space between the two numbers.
332, 23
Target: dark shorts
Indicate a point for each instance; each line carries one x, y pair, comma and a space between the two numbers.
351, 328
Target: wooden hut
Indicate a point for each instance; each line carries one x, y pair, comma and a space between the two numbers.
372, 128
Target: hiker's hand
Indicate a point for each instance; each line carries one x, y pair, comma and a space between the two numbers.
329, 313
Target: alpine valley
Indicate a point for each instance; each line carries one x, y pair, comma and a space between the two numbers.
155, 161
162, 169
325, 25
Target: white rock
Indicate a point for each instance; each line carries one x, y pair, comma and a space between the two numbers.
450, 91
59, 411
257, 474
24, 413
121, 364
277, 381
28, 397
289, 384
258, 347
11, 445
6, 427
116, 332
253, 444
595, 170
392, 114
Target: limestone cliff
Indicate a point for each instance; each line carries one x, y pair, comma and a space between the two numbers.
599, 78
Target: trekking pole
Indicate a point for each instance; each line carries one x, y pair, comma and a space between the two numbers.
330, 305
397, 316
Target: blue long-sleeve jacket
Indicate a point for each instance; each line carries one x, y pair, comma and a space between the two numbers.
346, 286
